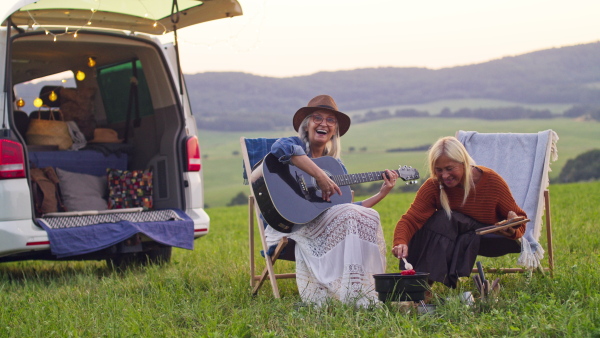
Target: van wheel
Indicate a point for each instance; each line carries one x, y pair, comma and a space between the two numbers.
121, 262
158, 255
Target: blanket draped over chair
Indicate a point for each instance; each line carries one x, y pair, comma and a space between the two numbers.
523, 160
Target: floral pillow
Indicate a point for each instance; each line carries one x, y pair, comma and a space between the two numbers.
129, 189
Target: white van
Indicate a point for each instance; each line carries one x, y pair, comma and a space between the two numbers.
127, 114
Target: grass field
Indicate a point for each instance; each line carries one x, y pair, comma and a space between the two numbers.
223, 168
206, 293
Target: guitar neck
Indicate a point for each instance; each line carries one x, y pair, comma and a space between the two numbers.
350, 179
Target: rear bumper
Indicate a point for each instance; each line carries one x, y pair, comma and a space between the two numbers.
18, 236
201, 221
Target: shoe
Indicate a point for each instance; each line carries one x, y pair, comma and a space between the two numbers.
425, 309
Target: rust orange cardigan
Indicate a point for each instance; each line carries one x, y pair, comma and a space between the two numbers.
488, 203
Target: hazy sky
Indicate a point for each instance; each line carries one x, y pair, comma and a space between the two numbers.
284, 38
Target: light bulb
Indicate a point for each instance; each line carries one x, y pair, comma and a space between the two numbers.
38, 102
20, 103
80, 76
52, 97
91, 62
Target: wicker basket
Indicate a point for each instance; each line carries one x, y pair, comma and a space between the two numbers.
50, 132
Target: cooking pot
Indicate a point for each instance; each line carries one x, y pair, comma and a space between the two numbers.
400, 288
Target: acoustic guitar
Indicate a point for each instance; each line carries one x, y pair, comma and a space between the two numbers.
287, 195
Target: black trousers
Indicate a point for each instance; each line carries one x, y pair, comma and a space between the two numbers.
446, 248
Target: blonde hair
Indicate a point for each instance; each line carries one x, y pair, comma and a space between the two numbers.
333, 148
453, 149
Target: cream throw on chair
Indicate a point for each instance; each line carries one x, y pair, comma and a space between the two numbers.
523, 160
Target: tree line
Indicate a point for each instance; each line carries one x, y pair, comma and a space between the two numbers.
273, 121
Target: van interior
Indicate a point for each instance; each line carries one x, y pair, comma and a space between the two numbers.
120, 83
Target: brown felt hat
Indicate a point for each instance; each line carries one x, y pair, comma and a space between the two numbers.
322, 102
105, 135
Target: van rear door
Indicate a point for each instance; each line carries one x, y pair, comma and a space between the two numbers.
148, 16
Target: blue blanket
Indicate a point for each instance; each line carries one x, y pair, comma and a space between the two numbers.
82, 161
70, 241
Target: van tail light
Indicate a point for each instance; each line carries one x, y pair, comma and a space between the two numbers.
12, 160
193, 154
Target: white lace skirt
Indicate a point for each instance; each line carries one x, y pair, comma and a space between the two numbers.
337, 255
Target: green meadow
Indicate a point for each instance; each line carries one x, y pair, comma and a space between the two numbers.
206, 292
435, 107
222, 162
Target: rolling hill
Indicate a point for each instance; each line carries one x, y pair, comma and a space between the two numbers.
559, 76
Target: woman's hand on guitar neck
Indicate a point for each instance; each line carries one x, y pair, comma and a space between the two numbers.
389, 178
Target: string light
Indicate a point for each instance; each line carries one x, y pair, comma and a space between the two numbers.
74, 33
148, 14
91, 62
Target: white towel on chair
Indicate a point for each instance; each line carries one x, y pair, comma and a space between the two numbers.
523, 160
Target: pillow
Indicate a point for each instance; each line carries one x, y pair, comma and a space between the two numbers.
82, 191
129, 189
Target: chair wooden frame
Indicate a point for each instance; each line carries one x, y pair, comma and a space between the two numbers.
256, 281
549, 251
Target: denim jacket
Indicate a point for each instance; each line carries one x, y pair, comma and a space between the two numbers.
286, 147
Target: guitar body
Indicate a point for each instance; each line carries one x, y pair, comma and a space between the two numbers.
287, 195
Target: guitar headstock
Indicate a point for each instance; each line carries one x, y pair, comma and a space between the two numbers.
409, 174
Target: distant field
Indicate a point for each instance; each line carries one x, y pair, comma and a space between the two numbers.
435, 107
223, 169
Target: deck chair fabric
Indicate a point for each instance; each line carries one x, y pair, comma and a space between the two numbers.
254, 150
523, 160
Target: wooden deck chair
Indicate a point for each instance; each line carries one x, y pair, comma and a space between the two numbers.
523, 160
253, 150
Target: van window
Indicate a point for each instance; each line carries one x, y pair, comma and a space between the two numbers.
30, 90
115, 87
